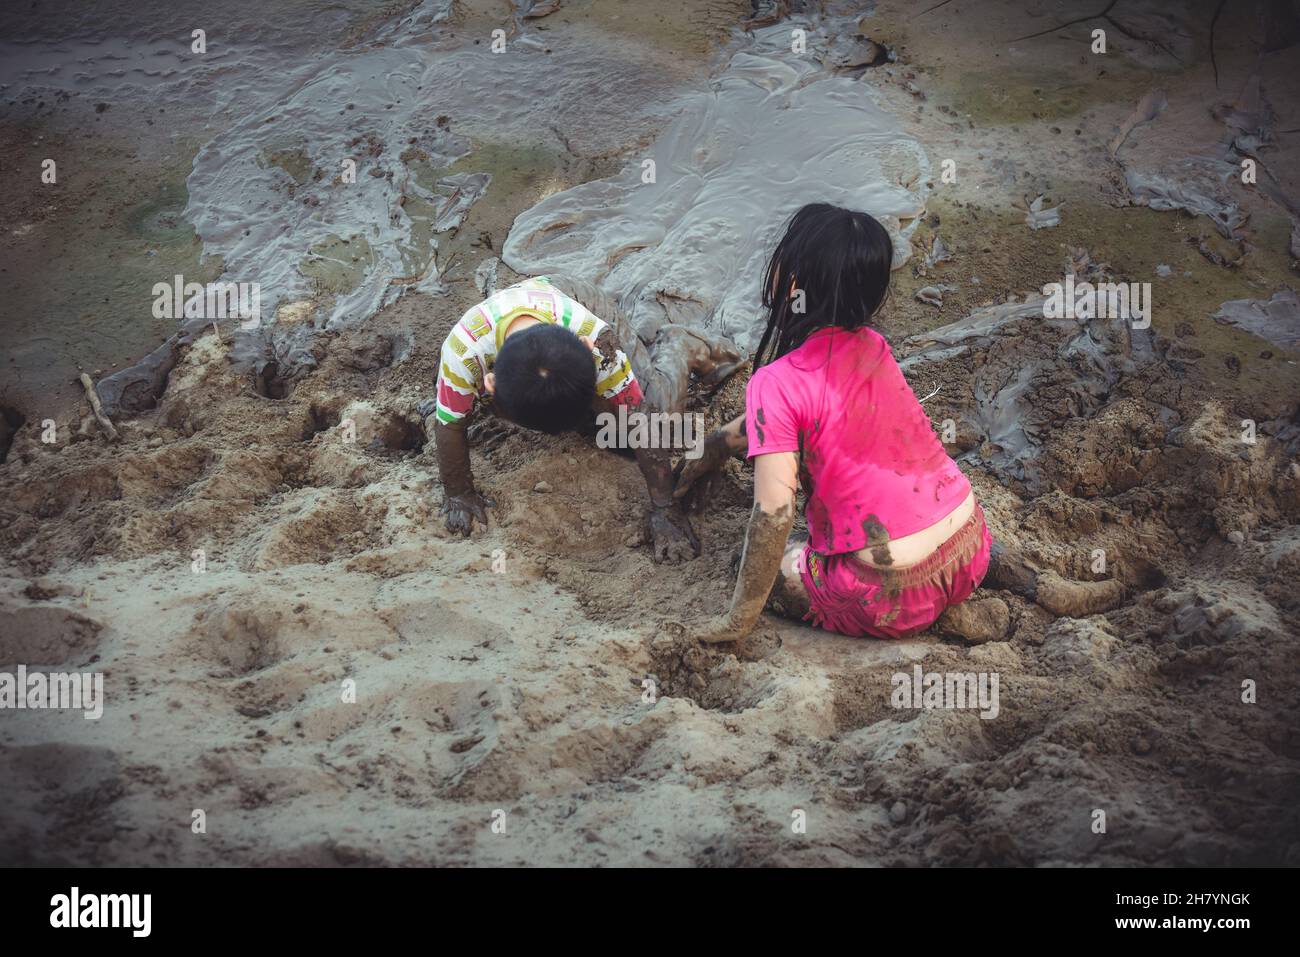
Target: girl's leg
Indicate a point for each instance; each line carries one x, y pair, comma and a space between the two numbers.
789, 598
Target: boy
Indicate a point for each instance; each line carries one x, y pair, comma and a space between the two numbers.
540, 352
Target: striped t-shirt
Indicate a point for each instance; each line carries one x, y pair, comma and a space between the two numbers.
470, 349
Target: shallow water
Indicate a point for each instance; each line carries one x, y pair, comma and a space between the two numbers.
407, 108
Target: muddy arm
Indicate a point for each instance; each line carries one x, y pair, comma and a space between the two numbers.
461, 502
657, 469
655, 464
769, 528
672, 539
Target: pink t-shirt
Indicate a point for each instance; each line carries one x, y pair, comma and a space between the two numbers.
868, 455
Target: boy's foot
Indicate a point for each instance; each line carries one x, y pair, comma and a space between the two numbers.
724, 359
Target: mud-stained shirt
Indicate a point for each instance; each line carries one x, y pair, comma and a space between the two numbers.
870, 462
470, 350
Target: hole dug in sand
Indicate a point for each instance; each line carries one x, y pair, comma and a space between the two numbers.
716, 681
325, 524
45, 634
244, 639
270, 383
318, 418
249, 631
381, 429
11, 420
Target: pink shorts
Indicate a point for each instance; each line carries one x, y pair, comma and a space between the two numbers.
850, 597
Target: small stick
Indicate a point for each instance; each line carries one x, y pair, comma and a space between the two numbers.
1213, 62
97, 408
944, 3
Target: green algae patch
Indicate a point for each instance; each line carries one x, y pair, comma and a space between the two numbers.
1021, 96
293, 160
514, 169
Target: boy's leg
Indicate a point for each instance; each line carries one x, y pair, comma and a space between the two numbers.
604, 306
676, 352
664, 368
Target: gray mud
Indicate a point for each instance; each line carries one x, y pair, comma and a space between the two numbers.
686, 240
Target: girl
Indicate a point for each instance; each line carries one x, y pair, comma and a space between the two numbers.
895, 534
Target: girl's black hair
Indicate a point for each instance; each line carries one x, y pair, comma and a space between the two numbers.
839, 260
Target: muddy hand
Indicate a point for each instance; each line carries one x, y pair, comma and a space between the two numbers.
710, 631
461, 510
717, 629
672, 539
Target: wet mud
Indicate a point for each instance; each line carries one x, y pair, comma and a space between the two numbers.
1151, 540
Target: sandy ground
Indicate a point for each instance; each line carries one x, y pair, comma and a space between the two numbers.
507, 673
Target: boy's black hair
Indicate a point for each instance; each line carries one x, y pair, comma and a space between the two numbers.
545, 378
840, 260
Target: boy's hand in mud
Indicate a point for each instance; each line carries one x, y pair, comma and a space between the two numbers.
461, 510
672, 539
